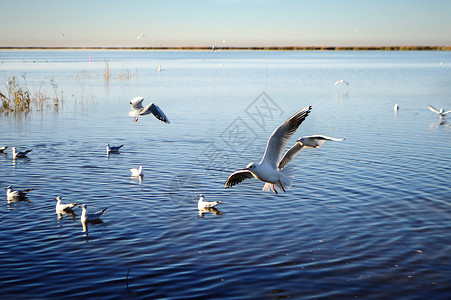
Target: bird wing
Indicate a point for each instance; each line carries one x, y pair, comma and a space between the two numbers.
433, 109
280, 136
137, 103
290, 154
237, 177
447, 112
156, 111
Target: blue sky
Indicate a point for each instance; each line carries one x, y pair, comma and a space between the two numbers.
225, 23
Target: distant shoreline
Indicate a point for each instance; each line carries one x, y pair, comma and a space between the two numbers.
275, 48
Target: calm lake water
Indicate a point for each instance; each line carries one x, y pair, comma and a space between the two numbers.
368, 217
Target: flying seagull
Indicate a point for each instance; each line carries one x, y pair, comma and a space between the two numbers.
201, 204
268, 169
442, 113
85, 217
64, 207
19, 154
312, 141
341, 81
10, 193
152, 108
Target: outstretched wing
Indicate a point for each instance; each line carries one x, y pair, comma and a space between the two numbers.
279, 138
156, 111
136, 103
237, 177
313, 141
447, 112
433, 109
291, 154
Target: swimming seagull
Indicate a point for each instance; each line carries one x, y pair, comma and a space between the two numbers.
2, 149
85, 217
341, 81
113, 149
137, 172
312, 141
201, 204
267, 170
64, 207
396, 107
442, 113
152, 108
10, 193
20, 154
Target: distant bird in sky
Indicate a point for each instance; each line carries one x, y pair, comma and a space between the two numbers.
442, 113
10, 193
2, 149
313, 141
152, 108
137, 172
341, 81
85, 217
113, 149
202, 204
64, 207
19, 154
268, 169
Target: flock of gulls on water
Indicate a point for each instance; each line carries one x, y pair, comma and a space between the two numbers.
272, 169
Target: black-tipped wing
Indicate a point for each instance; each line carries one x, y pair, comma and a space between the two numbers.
433, 109
237, 177
156, 111
279, 138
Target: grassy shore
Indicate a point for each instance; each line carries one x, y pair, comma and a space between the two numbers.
276, 48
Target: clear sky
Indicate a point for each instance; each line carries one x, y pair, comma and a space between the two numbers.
224, 22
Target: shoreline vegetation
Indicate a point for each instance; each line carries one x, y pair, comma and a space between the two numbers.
275, 48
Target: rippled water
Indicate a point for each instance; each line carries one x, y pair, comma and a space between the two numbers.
367, 217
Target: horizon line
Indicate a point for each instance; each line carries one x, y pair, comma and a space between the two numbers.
253, 48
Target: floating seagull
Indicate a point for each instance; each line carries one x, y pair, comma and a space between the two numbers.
152, 108
442, 113
396, 107
2, 149
267, 170
20, 154
85, 217
313, 141
341, 81
137, 172
10, 193
159, 68
201, 204
64, 207
141, 36
113, 149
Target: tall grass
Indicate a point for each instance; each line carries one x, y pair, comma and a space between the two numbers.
18, 98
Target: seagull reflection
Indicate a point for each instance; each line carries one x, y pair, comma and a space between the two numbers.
212, 210
62, 213
136, 179
442, 122
93, 222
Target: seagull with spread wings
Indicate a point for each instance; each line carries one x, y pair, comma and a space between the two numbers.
152, 108
442, 113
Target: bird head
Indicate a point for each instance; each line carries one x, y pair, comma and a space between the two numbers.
250, 167
8, 187
58, 198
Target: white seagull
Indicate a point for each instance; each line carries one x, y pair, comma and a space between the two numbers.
85, 217
341, 81
2, 149
396, 108
19, 154
64, 207
152, 108
113, 149
10, 193
268, 169
312, 141
442, 113
137, 172
201, 204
